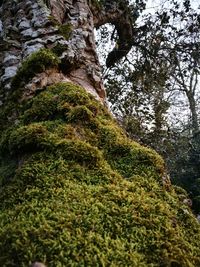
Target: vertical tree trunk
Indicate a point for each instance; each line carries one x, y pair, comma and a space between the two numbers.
193, 110
65, 26
27, 26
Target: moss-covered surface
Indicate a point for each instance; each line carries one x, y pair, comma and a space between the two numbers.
65, 30
75, 191
37, 62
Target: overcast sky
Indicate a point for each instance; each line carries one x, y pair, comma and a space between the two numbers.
152, 4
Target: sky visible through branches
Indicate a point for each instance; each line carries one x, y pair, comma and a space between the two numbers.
105, 45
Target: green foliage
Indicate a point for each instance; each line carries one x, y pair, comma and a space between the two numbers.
159, 80
36, 63
184, 168
80, 193
96, 3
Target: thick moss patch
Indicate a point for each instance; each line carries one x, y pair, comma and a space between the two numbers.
75, 191
37, 62
65, 30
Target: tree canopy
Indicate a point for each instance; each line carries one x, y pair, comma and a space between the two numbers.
159, 80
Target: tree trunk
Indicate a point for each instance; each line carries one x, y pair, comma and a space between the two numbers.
27, 26
65, 26
193, 110
74, 190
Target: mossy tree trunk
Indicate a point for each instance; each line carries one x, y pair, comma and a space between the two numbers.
65, 27
74, 190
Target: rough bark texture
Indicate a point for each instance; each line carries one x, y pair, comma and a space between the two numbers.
27, 26
30, 25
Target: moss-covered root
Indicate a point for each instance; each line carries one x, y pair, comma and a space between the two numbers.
75, 191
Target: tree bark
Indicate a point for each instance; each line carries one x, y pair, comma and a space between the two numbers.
194, 116
28, 25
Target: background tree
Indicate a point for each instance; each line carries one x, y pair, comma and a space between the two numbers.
159, 79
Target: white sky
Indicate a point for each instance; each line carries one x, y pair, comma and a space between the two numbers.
152, 4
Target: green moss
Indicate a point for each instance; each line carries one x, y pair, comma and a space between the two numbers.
80, 113
97, 3
30, 138
7, 169
75, 191
36, 63
65, 30
59, 49
182, 194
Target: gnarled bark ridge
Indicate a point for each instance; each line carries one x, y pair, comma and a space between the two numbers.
67, 27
